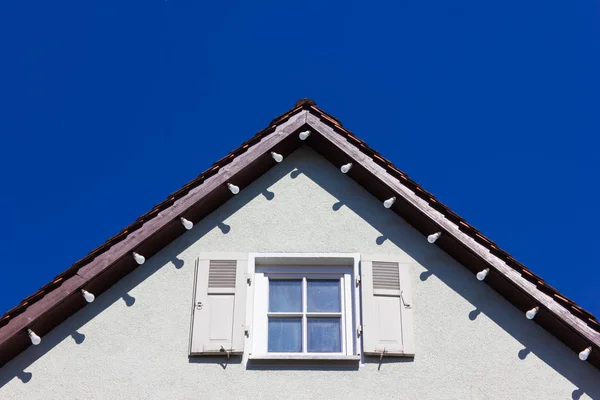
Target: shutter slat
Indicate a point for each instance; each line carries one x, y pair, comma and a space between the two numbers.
386, 275
222, 274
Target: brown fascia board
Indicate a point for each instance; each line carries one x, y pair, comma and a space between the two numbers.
434, 221
111, 265
151, 232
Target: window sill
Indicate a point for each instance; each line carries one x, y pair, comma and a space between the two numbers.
297, 357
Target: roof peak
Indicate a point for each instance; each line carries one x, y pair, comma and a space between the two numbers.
305, 102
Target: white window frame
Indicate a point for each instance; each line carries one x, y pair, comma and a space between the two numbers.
261, 266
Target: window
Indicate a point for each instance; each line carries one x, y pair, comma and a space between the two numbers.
305, 315
304, 307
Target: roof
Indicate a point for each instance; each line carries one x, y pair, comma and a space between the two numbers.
105, 265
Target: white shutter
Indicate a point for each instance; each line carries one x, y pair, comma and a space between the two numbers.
387, 309
219, 308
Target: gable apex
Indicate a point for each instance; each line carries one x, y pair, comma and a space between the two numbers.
305, 102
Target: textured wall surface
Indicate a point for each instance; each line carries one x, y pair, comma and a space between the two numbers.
132, 342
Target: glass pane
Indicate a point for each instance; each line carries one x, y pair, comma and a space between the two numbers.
324, 335
285, 335
323, 295
285, 295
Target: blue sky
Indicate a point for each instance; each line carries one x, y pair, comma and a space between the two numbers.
107, 107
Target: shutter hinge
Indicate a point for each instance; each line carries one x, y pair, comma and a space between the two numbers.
359, 331
357, 281
404, 301
249, 281
247, 331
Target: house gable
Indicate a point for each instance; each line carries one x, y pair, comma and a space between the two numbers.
105, 265
132, 342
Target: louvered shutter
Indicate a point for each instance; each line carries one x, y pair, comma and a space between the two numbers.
387, 309
219, 309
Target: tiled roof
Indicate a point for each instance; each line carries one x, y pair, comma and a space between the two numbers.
163, 205
464, 226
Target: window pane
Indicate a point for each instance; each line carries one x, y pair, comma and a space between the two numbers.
285, 335
323, 295
324, 335
285, 295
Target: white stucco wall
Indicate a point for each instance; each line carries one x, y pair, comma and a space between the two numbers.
132, 342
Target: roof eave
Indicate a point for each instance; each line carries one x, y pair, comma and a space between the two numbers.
108, 267
431, 220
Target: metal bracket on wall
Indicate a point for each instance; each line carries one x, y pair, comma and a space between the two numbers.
381, 354
224, 350
404, 301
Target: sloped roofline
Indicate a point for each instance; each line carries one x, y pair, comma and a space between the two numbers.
111, 261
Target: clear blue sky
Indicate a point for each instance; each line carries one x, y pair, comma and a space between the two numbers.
108, 106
